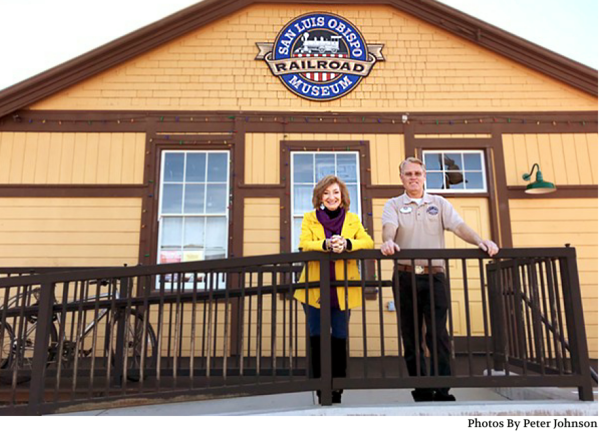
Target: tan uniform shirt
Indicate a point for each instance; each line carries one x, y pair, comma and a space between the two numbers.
421, 226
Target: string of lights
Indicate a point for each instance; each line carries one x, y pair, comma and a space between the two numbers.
401, 119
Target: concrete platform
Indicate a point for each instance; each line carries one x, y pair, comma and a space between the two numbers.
470, 402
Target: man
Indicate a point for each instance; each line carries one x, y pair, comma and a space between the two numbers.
417, 220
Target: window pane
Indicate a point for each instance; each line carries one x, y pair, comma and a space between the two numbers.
453, 161
474, 180
435, 180
353, 191
194, 199
171, 199
216, 238
303, 168
346, 167
215, 253
195, 170
217, 167
216, 198
472, 161
433, 161
454, 179
170, 257
171, 233
297, 230
216, 233
302, 199
173, 167
193, 238
325, 165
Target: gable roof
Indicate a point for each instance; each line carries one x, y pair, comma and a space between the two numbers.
533, 56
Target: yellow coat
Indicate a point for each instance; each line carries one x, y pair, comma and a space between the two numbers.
311, 239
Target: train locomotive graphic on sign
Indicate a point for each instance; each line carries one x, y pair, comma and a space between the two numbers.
320, 56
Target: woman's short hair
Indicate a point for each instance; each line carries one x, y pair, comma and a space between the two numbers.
325, 183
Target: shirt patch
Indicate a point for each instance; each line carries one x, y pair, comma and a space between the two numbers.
406, 209
433, 210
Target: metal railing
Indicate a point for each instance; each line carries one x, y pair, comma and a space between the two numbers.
89, 338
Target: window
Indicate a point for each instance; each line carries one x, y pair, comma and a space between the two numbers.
193, 207
310, 167
455, 171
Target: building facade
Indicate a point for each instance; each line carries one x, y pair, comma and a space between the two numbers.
187, 140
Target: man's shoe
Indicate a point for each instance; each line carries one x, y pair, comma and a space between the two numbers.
443, 397
422, 395
336, 397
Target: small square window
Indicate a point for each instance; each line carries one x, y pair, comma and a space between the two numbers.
455, 171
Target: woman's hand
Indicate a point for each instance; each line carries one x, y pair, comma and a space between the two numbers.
338, 244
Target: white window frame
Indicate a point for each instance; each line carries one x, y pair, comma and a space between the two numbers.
226, 214
463, 171
296, 236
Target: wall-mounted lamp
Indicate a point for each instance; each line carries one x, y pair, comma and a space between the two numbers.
540, 186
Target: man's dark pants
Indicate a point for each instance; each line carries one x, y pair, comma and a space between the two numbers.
423, 308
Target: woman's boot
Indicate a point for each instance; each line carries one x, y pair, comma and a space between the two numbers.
338, 364
314, 371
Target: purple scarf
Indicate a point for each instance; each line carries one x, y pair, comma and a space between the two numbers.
332, 226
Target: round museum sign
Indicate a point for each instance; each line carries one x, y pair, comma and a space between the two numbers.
320, 56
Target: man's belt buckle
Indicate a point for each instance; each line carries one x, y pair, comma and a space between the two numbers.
419, 270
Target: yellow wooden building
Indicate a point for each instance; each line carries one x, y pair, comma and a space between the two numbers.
177, 142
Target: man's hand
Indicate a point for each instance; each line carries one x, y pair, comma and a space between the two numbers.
489, 247
389, 248
467, 234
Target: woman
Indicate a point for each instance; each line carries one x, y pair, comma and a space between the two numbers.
331, 228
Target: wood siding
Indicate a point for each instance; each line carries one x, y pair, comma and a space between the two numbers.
71, 158
426, 69
554, 223
387, 152
564, 159
262, 159
261, 226
69, 232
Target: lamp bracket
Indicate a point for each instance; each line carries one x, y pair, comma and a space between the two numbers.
528, 176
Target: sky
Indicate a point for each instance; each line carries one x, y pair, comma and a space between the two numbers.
40, 34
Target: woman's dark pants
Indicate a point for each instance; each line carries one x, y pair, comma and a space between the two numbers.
339, 335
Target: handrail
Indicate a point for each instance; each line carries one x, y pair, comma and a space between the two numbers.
233, 264
552, 328
226, 324
531, 305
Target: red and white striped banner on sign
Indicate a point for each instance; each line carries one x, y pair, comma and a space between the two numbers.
321, 76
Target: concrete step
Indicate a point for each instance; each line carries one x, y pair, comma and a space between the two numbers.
470, 402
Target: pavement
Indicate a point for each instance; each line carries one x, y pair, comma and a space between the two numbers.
470, 402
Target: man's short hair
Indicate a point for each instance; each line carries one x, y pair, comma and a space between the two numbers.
411, 159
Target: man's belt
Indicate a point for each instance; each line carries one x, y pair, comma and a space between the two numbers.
419, 270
